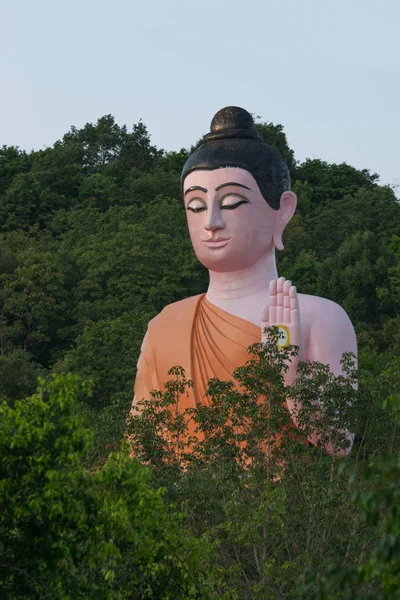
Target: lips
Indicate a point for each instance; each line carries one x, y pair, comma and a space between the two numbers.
217, 242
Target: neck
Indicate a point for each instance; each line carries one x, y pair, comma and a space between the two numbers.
249, 282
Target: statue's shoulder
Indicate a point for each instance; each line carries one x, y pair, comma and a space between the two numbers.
317, 312
176, 315
167, 341
327, 331
316, 305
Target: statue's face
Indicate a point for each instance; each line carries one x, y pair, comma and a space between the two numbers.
231, 225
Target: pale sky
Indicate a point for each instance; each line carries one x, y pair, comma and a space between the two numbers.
327, 70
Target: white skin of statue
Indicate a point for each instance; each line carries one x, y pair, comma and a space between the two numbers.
234, 233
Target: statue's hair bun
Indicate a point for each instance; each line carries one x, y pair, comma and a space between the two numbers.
232, 122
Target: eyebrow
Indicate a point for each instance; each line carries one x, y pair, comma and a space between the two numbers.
232, 183
196, 187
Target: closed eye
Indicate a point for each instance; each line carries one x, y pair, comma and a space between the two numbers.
196, 210
233, 206
196, 205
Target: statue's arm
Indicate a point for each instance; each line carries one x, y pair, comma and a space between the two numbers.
331, 335
143, 382
146, 377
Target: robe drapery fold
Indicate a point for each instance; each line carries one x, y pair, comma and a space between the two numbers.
198, 336
219, 346
203, 339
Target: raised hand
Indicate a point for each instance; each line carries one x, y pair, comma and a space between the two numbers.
283, 311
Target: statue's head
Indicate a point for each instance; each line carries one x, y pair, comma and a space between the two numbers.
237, 189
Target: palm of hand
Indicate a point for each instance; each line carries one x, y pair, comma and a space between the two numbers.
283, 311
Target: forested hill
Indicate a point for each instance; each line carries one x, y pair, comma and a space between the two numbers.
93, 243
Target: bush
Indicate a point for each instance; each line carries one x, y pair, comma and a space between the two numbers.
274, 505
70, 532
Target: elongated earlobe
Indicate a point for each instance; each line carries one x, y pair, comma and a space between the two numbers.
283, 215
278, 240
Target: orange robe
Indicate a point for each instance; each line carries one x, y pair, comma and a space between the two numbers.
196, 335
200, 337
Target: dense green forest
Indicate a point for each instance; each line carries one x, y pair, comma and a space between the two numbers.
93, 244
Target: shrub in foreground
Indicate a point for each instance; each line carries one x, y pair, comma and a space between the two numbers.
70, 532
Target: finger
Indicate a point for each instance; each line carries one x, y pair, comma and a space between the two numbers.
286, 309
286, 302
280, 283
272, 302
279, 300
286, 286
294, 306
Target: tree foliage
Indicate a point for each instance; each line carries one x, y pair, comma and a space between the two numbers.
69, 532
93, 244
280, 510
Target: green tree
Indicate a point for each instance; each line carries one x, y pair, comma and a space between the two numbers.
99, 191
389, 297
333, 182
275, 136
18, 375
34, 301
67, 532
353, 273
12, 162
376, 574
273, 504
107, 352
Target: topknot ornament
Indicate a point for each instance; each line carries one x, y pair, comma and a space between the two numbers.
232, 122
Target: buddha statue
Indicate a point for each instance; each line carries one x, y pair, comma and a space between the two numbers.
237, 198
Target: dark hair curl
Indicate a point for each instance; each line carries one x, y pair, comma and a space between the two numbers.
234, 142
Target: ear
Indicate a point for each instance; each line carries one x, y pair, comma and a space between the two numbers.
283, 215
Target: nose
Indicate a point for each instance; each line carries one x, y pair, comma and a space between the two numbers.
214, 220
